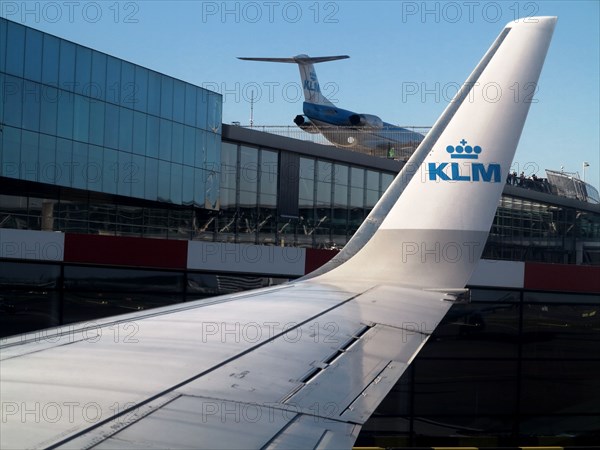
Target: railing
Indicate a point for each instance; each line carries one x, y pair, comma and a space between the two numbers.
396, 144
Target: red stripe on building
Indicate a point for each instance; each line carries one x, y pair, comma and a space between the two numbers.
562, 277
315, 258
125, 251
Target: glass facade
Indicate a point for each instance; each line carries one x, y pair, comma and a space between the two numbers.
529, 230
333, 199
78, 118
35, 296
510, 368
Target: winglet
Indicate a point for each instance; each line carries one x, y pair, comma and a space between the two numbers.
429, 230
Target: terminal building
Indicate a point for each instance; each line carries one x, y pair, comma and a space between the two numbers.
121, 190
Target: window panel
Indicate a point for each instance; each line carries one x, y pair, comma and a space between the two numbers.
48, 109
152, 136
31, 105
66, 103
83, 278
111, 126
268, 172
323, 193
371, 198
47, 159
229, 154
151, 179
211, 189
80, 165
113, 80
248, 199
465, 387
164, 181
139, 133
138, 164
268, 201
110, 171
189, 145
15, 52
33, 49
50, 60
125, 129
11, 155
176, 183
357, 199
307, 168
3, 25
561, 331
141, 89
357, 177
178, 101
190, 105
98, 76
307, 192
386, 180
200, 156
83, 71
94, 168
36, 309
166, 136
66, 69
199, 187
128, 87
340, 174
468, 331
187, 197
97, 114
324, 169
177, 143
166, 97
373, 180
81, 118
202, 108
213, 147
12, 101
29, 156
248, 169
64, 162
125, 174
214, 113
229, 177
340, 196
574, 387
154, 92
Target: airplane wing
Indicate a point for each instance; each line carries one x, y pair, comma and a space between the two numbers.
301, 365
300, 59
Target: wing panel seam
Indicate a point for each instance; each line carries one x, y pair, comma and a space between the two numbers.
205, 372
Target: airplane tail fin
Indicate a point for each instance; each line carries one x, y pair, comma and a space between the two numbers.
429, 228
308, 75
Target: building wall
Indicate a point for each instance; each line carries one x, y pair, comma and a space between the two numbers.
514, 367
79, 118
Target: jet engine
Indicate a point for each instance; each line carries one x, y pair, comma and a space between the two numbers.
305, 124
365, 120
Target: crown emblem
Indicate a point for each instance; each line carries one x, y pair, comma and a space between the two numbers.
464, 151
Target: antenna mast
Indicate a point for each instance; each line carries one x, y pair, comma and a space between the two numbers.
252, 108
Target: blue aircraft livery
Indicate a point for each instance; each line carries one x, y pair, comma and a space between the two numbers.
488, 173
343, 128
313, 83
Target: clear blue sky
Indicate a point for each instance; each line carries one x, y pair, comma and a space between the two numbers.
392, 45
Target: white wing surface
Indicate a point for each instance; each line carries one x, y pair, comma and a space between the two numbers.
301, 365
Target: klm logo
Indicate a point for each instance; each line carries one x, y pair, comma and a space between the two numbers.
465, 171
311, 86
